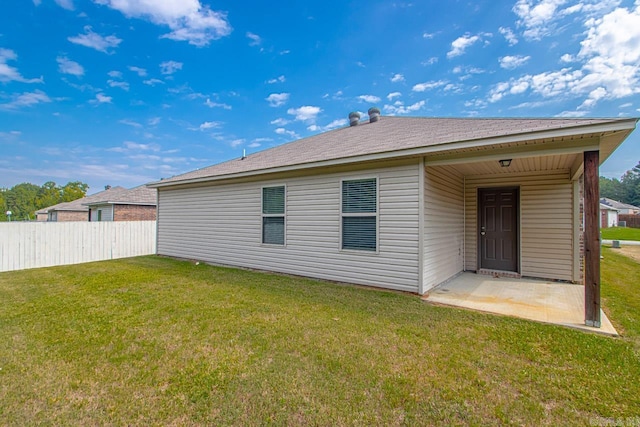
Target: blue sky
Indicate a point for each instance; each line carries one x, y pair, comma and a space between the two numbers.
124, 92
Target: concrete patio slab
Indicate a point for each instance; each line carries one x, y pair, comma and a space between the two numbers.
539, 300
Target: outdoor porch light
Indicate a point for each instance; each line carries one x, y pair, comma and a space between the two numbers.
505, 163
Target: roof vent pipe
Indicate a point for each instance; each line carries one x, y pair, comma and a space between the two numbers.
354, 118
374, 114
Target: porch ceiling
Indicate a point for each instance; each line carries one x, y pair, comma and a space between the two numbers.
529, 156
518, 165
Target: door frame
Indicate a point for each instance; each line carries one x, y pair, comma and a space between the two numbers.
515, 188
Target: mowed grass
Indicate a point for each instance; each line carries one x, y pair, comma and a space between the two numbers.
620, 277
154, 341
620, 233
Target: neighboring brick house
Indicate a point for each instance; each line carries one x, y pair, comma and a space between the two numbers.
74, 210
608, 216
623, 208
136, 204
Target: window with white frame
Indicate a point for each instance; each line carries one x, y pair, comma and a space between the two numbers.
359, 214
273, 213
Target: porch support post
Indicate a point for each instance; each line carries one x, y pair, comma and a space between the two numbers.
592, 238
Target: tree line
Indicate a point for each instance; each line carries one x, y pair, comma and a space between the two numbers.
23, 200
625, 190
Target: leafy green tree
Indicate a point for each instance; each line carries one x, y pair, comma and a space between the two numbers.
74, 190
611, 188
3, 205
631, 183
21, 200
49, 195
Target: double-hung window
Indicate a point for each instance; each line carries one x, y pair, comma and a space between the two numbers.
273, 215
359, 214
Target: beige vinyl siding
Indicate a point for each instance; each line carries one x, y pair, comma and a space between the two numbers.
546, 229
443, 225
221, 224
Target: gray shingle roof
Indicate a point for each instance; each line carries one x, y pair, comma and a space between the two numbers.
388, 135
616, 204
141, 195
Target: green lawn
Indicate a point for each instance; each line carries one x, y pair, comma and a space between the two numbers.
621, 233
153, 341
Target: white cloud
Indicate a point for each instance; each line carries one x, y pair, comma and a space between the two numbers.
130, 123
536, 18
140, 71
153, 82
610, 58
428, 35
101, 99
66, 4
130, 145
512, 62
67, 66
236, 142
26, 99
280, 122
154, 121
399, 108
371, 99
212, 104
255, 39
277, 99
566, 58
393, 95
170, 67
188, 20
421, 87
397, 78
430, 61
209, 125
280, 79
9, 73
254, 145
508, 35
540, 18
459, 45
115, 74
96, 41
333, 125
283, 131
306, 113
120, 84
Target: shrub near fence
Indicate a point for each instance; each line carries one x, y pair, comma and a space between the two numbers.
46, 244
633, 221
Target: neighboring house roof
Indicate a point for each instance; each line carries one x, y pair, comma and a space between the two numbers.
141, 195
617, 205
391, 137
607, 208
78, 204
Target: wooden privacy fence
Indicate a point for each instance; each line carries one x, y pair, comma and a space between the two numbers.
45, 244
633, 221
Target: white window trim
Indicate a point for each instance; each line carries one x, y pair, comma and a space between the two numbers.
376, 214
264, 215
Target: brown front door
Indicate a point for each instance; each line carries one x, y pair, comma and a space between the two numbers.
498, 228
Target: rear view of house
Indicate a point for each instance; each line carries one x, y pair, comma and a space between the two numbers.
401, 202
